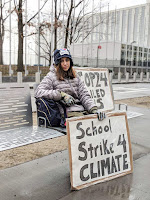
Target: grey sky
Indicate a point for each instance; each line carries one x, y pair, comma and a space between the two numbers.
112, 3
125, 3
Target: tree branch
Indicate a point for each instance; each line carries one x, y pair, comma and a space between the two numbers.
36, 13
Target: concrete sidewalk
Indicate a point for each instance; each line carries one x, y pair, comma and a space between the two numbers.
48, 178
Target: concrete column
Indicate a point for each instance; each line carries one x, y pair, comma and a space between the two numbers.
0, 77
141, 76
37, 77
110, 76
147, 76
127, 77
119, 77
19, 77
134, 77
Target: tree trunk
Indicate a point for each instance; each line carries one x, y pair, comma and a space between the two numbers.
1, 51
1, 34
55, 27
20, 67
68, 22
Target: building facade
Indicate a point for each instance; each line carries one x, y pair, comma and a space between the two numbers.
120, 39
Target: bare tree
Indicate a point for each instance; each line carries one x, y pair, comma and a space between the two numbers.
2, 27
71, 24
45, 43
77, 26
74, 24
68, 23
19, 12
58, 22
20, 37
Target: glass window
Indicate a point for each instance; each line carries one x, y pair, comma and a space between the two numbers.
134, 55
140, 55
123, 54
123, 57
129, 53
123, 46
145, 56
129, 47
145, 49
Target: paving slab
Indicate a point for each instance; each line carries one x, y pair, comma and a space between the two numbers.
26, 135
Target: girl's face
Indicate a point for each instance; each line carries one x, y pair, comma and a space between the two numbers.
65, 63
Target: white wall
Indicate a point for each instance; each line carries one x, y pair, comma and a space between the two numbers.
113, 50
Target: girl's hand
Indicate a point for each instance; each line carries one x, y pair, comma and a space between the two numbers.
67, 99
100, 115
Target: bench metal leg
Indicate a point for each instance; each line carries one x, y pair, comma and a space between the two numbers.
121, 104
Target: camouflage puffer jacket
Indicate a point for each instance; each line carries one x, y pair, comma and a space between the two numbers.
50, 88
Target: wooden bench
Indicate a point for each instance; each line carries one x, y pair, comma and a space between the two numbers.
16, 124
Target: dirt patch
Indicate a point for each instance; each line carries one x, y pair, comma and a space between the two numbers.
30, 152
33, 151
143, 102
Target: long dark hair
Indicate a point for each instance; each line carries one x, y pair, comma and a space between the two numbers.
61, 74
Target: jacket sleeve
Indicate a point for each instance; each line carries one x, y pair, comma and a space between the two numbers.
84, 96
45, 89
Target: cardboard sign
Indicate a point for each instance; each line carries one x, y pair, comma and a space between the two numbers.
98, 150
98, 85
